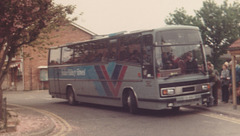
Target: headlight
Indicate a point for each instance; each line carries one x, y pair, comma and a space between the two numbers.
206, 87
169, 91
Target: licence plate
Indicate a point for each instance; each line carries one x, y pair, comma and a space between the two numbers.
190, 97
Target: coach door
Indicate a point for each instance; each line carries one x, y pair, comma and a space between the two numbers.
147, 52
57, 81
54, 71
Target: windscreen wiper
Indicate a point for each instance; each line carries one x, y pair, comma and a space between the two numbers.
170, 76
204, 73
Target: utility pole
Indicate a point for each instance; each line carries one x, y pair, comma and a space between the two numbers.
234, 82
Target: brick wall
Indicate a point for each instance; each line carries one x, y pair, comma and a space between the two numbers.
66, 34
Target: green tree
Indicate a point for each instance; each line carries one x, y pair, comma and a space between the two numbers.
219, 25
26, 23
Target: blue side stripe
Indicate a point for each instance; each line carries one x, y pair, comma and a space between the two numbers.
91, 74
104, 83
116, 73
110, 68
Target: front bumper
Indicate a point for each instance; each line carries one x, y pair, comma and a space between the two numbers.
193, 99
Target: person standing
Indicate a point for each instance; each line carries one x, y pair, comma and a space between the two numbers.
225, 77
214, 77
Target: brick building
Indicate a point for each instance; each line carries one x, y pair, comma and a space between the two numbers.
34, 68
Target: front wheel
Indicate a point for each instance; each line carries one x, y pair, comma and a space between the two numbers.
71, 96
176, 109
132, 103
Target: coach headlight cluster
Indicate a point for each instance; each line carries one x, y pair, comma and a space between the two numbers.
168, 91
206, 87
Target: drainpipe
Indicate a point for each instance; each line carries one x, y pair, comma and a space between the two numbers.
23, 70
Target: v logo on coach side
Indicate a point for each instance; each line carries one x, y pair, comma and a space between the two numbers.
111, 77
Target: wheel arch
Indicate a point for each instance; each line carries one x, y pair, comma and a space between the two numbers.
125, 94
69, 86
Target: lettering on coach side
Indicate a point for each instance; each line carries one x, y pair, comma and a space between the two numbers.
72, 72
81, 72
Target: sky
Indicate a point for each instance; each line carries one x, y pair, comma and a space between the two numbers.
110, 16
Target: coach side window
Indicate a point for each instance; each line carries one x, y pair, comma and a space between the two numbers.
88, 54
135, 53
54, 58
78, 53
100, 52
112, 54
130, 53
67, 55
124, 54
130, 49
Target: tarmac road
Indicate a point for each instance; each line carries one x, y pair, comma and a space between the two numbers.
96, 120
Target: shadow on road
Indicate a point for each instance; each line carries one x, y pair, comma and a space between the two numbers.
168, 112
184, 111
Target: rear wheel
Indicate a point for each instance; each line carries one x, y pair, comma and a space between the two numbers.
132, 103
71, 96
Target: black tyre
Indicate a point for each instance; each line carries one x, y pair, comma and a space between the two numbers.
71, 96
175, 109
132, 103
125, 102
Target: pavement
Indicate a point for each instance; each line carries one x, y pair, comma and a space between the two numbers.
29, 122
33, 123
222, 108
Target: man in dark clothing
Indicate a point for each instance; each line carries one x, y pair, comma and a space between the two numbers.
214, 77
191, 64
